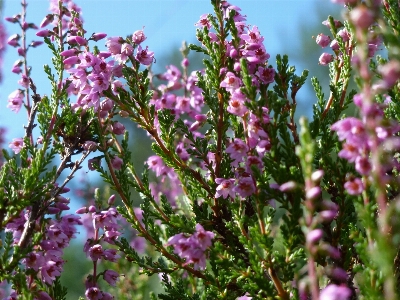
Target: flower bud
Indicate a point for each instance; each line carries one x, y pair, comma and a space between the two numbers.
317, 175
362, 17
111, 200
325, 59
390, 72
288, 186
313, 193
116, 163
138, 37
123, 114
98, 36
323, 40
314, 236
118, 128
82, 210
185, 63
44, 33
47, 20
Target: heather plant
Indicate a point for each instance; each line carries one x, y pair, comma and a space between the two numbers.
239, 200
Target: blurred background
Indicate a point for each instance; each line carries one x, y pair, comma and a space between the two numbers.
288, 28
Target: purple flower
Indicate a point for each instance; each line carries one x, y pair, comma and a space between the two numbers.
354, 186
138, 37
323, 40
362, 16
118, 128
225, 188
203, 237
93, 293
266, 75
111, 277
96, 252
15, 100
203, 22
192, 248
114, 44
231, 82
236, 104
237, 150
245, 187
16, 145
390, 73
314, 236
110, 255
116, 163
325, 59
144, 56
335, 292
253, 36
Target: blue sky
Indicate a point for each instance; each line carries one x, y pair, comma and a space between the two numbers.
167, 23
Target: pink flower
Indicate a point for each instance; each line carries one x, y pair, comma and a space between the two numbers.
96, 252
245, 187
118, 128
98, 36
325, 59
314, 236
114, 45
144, 56
335, 292
138, 37
390, 73
266, 75
16, 145
236, 104
362, 16
116, 163
15, 100
253, 36
344, 34
323, 40
231, 82
203, 237
354, 186
225, 188
237, 150
203, 22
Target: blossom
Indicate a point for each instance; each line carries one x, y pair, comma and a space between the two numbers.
335, 292
138, 37
16, 145
225, 188
15, 100
116, 163
96, 252
325, 59
203, 22
237, 150
236, 104
245, 187
111, 277
265, 75
192, 248
322, 40
231, 82
144, 56
354, 186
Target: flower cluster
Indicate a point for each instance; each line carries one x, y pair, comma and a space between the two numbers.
106, 229
46, 258
192, 248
